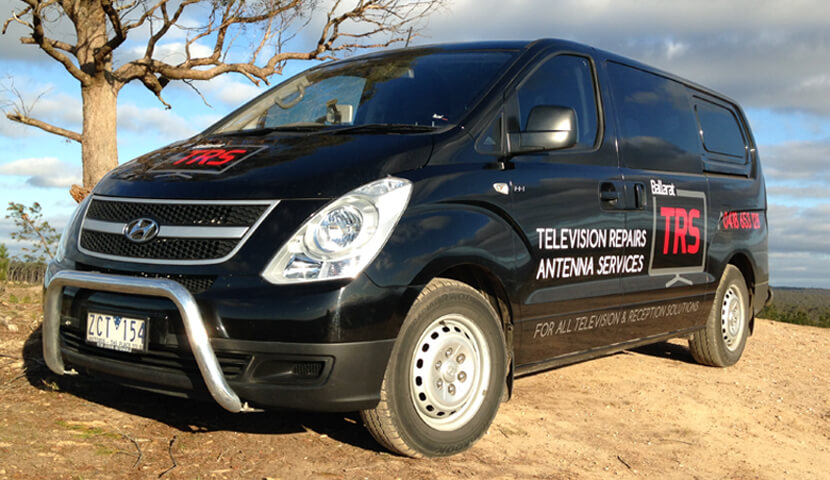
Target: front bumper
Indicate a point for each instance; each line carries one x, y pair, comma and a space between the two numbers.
340, 376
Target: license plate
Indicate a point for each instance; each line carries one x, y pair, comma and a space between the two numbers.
115, 332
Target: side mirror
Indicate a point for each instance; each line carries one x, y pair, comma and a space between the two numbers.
549, 127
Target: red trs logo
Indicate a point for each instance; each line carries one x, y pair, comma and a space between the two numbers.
680, 228
213, 157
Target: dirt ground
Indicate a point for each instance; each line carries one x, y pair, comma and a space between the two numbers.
648, 413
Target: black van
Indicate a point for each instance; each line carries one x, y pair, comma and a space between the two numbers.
403, 233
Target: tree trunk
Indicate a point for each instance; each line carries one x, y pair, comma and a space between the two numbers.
99, 148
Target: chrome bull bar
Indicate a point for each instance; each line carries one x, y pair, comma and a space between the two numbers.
188, 309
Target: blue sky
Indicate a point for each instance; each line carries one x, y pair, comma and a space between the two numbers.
771, 56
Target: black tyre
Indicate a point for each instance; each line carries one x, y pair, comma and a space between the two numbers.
446, 376
722, 341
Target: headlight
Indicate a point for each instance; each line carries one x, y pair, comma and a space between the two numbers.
67, 230
342, 238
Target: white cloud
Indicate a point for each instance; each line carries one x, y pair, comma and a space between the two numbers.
799, 229
810, 191
132, 118
43, 102
62, 109
756, 51
805, 160
799, 269
47, 172
30, 166
229, 90
675, 49
767, 53
798, 187
798, 247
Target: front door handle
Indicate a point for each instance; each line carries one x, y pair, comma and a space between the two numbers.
611, 195
620, 195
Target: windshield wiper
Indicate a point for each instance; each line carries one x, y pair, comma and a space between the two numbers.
384, 128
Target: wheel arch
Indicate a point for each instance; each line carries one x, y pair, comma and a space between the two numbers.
491, 286
469, 243
742, 262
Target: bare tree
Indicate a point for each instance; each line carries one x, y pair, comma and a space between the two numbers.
102, 26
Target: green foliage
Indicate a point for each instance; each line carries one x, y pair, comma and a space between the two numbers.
4, 263
801, 306
33, 229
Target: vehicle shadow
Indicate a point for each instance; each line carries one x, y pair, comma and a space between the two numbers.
666, 350
189, 415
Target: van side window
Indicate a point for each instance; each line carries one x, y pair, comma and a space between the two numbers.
658, 130
566, 81
720, 131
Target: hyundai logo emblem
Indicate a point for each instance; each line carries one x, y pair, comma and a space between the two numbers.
141, 230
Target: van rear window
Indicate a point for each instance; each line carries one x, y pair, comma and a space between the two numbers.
720, 131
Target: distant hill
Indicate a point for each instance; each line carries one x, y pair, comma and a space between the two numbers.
802, 306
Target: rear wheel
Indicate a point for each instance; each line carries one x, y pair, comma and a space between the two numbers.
445, 378
722, 341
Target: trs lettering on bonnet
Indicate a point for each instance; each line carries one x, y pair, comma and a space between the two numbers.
212, 159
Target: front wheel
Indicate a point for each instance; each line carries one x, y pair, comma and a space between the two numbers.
446, 376
722, 340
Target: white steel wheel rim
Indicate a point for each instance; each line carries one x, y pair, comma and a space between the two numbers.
732, 318
450, 372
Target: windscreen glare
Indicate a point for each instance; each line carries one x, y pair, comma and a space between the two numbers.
412, 87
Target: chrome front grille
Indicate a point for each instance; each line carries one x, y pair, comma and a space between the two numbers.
209, 214
189, 231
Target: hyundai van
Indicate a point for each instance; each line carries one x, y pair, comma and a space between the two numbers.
406, 232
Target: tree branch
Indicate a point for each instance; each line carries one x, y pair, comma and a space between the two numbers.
118, 29
50, 46
16, 18
189, 83
361, 24
393, 17
26, 120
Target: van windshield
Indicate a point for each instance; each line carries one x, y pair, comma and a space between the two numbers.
425, 88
